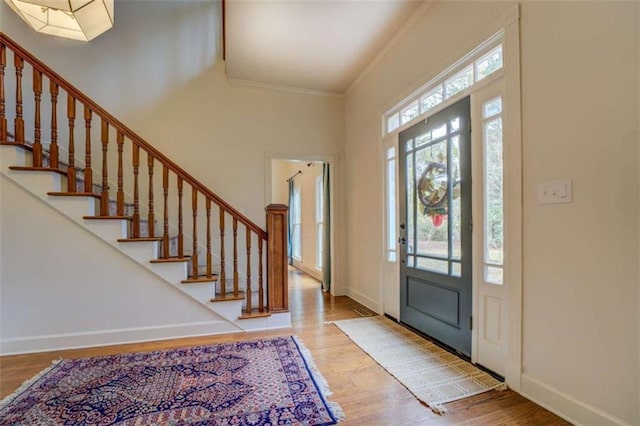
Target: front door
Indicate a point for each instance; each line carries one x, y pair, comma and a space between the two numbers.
435, 230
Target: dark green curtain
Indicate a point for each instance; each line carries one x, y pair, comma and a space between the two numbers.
290, 221
326, 229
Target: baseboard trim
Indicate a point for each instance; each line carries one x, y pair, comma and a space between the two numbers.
364, 300
564, 405
31, 344
314, 273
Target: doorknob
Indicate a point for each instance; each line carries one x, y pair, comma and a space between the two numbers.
402, 240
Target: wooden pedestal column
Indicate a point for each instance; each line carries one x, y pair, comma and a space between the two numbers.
277, 265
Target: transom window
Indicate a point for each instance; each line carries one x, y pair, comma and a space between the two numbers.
477, 65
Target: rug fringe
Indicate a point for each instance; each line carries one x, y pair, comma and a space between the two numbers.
27, 384
438, 409
320, 380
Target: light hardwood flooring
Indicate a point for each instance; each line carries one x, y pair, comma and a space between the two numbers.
367, 393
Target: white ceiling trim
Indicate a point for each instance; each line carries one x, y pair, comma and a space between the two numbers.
408, 26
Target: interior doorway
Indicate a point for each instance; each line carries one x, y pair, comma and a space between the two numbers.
305, 187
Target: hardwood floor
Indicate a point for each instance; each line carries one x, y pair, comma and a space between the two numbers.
367, 394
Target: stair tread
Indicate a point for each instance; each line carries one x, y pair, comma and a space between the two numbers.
171, 259
73, 194
108, 217
141, 239
227, 297
20, 145
255, 313
201, 279
38, 169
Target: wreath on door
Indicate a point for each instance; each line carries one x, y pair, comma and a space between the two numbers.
433, 191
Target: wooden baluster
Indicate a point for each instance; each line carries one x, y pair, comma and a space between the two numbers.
235, 257
209, 257
3, 112
136, 195
223, 275
151, 217
260, 283
120, 193
37, 94
165, 231
180, 234
71, 169
88, 171
104, 196
194, 256
53, 148
18, 122
249, 295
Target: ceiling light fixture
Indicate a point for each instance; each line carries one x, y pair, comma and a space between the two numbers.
76, 19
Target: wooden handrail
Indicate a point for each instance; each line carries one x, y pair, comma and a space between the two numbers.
124, 130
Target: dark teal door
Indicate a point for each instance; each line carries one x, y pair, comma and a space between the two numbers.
435, 229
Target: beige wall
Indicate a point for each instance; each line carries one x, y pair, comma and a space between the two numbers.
580, 121
159, 71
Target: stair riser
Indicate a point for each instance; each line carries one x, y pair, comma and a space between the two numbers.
199, 291
140, 251
39, 183
12, 156
171, 272
109, 230
74, 207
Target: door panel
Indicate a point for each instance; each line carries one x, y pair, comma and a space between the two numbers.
435, 231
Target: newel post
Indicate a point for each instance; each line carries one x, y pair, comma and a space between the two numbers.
277, 265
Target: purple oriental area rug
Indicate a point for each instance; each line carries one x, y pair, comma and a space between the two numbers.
261, 382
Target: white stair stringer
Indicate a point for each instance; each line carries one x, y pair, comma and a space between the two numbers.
39, 183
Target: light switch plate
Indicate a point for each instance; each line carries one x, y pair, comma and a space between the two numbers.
559, 191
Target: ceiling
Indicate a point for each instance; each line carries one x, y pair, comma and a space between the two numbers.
318, 45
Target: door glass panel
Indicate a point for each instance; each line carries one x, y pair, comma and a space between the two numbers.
455, 125
410, 204
456, 211
440, 266
410, 261
410, 145
439, 132
456, 269
431, 220
422, 139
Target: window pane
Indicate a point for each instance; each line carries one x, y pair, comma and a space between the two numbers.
391, 256
393, 122
493, 274
456, 269
431, 99
494, 222
409, 113
491, 108
459, 82
410, 179
456, 207
391, 204
489, 63
440, 266
319, 246
391, 152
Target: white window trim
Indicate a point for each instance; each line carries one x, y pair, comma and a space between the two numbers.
319, 221
469, 59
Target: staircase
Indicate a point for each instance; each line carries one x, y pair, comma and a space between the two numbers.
118, 187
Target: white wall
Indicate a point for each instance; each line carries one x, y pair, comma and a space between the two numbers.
60, 287
580, 121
